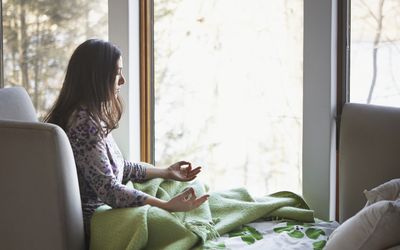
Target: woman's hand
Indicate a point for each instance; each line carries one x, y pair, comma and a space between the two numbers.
182, 171
185, 201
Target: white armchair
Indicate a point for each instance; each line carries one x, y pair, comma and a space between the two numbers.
40, 202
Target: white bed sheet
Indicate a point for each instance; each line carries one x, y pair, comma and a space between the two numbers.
279, 234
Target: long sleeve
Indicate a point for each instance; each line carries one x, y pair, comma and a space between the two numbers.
134, 172
100, 172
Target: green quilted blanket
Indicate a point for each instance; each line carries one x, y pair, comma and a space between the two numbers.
150, 227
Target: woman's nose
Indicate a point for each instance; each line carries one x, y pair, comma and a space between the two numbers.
121, 80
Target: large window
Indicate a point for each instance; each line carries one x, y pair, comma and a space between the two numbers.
228, 91
38, 39
375, 52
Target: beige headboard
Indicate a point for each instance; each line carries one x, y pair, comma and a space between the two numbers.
369, 153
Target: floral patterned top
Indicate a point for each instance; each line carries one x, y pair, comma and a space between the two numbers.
102, 170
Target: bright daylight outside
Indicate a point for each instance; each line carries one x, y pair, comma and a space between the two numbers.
375, 52
39, 38
228, 91
228, 76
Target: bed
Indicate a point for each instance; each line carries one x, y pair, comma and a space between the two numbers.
369, 160
369, 193
369, 184
231, 219
369, 163
276, 234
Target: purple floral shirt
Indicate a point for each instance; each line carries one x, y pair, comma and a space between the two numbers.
102, 170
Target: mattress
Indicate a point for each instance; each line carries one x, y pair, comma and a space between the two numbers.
278, 234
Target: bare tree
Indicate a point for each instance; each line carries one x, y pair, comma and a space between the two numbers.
39, 37
377, 39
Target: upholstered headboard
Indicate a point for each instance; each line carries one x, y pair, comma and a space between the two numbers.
369, 153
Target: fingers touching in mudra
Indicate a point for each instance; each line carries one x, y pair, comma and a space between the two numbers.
182, 171
185, 201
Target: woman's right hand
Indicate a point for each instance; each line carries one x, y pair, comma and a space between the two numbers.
185, 201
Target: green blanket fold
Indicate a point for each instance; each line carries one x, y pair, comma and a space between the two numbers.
149, 227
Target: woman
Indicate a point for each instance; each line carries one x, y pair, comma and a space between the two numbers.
88, 109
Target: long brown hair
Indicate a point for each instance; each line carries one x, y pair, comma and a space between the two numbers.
89, 82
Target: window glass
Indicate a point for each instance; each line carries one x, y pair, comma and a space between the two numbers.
39, 38
228, 91
375, 52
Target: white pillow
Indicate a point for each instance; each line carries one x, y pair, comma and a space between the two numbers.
387, 191
374, 227
394, 248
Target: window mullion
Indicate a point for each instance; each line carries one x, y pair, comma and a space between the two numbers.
1, 47
146, 82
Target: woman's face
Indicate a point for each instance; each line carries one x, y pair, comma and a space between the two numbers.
119, 78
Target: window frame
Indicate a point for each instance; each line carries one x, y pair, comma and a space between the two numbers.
1, 47
343, 73
322, 14
343, 76
327, 98
146, 20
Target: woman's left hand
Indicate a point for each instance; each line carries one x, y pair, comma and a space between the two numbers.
182, 171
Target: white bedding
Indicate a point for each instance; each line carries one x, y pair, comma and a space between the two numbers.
276, 235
